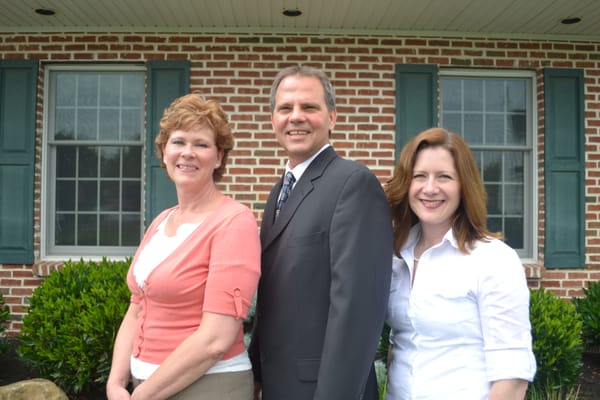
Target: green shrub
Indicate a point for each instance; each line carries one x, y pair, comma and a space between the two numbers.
384, 343
381, 373
589, 309
4, 317
557, 344
549, 394
74, 315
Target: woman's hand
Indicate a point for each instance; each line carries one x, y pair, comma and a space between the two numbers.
116, 392
508, 389
257, 391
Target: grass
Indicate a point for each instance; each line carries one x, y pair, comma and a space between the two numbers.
550, 394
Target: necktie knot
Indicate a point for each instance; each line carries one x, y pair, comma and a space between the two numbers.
286, 188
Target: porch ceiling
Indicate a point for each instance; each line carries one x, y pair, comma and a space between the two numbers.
520, 18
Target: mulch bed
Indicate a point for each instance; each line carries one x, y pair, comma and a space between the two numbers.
590, 379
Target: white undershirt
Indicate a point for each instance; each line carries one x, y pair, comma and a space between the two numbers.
158, 248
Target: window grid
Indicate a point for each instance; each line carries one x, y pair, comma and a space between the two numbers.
491, 113
95, 142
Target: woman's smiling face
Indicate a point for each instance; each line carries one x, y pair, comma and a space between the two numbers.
191, 156
434, 194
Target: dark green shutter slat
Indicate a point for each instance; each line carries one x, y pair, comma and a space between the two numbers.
416, 101
18, 87
167, 80
564, 163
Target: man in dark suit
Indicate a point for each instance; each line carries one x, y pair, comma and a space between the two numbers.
326, 257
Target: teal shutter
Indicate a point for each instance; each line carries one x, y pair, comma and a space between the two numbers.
416, 101
167, 80
564, 166
18, 86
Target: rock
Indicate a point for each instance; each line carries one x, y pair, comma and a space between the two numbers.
32, 389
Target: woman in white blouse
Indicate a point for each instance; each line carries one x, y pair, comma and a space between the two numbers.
459, 302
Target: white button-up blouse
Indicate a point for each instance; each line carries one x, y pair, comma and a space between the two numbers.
464, 323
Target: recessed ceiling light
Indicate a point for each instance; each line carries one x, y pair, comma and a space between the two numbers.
44, 11
570, 20
292, 13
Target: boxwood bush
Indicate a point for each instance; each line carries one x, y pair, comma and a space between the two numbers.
557, 344
589, 309
4, 316
74, 315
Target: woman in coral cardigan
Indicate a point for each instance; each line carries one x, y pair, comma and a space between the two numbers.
193, 276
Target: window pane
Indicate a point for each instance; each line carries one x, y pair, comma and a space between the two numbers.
452, 122
494, 129
496, 124
88, 162
87, 196
452, 99
110, 162
494, 96
494, 224
132, 162
516, 129
109, 230
65, 196
109, 196
110, 88
494, 192
65, 161
513, 232
473, 94
492, 166
516, 95
514, 200
473, 129
65, 90
64, 229
87, 124
133, 90
109, 124
87, 90
514, 163
132, 196
64, 124
86, 230
97, 186
131, 124
131, 229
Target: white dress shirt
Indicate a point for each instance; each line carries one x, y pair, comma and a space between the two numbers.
463, 324
299, 169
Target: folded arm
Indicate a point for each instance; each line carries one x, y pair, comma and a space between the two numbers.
192, 358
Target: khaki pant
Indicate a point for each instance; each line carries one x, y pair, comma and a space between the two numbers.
220, 386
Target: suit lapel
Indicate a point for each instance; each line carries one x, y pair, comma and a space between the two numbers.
302, 189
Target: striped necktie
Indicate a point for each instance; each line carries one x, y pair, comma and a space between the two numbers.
288, 183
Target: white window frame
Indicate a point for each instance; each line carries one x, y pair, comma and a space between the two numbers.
531, 211
48, 251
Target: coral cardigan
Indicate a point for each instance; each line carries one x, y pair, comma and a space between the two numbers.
216, 269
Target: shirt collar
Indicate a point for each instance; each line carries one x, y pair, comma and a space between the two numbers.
299, 169
415, 232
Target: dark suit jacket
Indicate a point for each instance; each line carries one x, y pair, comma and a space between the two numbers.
326, 267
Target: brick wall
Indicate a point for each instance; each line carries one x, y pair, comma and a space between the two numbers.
237, 69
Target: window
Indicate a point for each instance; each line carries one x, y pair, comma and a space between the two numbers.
93, 157
494, 113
